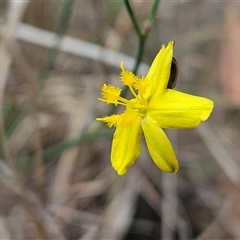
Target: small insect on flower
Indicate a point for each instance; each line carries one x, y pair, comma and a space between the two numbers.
154, 106
173, 74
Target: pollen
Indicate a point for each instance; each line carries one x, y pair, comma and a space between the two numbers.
127, 77
112, 121
110, 93
140, 85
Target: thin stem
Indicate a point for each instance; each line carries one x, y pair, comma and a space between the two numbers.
142, 35
141, 38
133, 18
153, 11
139, 54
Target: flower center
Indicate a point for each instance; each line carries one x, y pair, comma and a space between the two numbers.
137, 86
138, 104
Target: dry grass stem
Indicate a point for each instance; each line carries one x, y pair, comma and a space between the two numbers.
68, 159
56, 179
31, 80
31, 203
117, 222
76, 47
220, 153
13, 16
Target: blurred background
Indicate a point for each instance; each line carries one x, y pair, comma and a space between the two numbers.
56, 181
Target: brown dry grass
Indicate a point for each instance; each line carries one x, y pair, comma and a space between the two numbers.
71, 192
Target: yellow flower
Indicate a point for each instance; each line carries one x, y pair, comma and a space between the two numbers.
153, 107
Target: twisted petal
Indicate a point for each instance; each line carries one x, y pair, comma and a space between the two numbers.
159, 72
175, 109
159, 147
126, 146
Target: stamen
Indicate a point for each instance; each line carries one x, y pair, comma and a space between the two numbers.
113, 102
127, 77
132, 91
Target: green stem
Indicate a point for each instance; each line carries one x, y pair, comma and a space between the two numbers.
153, 11
142, 35
133, 18
139, 54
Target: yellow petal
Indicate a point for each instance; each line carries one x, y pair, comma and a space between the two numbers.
159, 72
175, 109
159, 147
126, 146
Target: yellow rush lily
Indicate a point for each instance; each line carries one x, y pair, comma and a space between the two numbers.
153, 107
